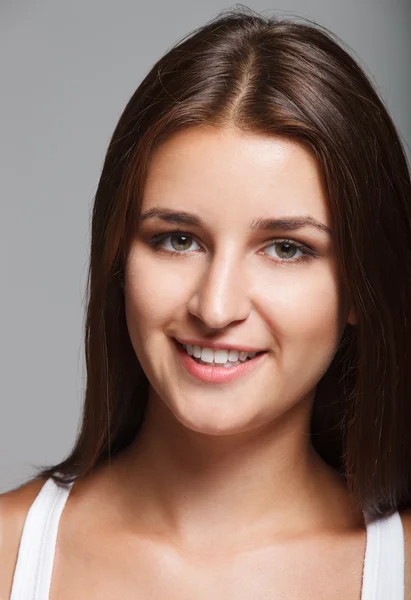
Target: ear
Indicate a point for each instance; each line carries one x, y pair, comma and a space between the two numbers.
352, 318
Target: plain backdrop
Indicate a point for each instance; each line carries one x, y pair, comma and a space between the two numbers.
67, 70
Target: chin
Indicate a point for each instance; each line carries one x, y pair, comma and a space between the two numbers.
216, 420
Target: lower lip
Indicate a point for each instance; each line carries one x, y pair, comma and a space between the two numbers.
218, 374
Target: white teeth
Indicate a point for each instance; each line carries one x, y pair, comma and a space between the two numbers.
195, 350
220, 357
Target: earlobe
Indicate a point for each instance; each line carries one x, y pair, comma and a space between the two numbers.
352, 317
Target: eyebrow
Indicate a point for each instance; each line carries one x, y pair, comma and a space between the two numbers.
259, 224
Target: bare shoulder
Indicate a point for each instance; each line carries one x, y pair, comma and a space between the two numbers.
406, 523
14, 506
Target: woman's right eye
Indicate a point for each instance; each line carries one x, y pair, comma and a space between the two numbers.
180, 242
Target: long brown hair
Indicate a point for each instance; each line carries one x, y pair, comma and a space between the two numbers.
268, 76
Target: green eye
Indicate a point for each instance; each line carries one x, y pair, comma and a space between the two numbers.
181, 244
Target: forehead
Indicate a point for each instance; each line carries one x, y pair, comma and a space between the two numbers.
224, 172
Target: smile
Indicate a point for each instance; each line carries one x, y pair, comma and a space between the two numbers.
223, 373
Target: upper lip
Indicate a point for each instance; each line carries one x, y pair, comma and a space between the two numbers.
219, 345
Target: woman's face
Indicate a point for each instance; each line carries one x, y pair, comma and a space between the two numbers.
231, 283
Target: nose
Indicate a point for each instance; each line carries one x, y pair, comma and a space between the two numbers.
221, 294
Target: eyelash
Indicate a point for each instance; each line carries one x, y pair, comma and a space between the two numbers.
307, 252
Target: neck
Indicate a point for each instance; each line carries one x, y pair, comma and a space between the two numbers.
191, 486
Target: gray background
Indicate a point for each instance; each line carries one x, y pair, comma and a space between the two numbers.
67, 71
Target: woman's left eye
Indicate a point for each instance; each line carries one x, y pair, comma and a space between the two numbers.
287, 248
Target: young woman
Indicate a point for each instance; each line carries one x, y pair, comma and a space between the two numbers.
254, 207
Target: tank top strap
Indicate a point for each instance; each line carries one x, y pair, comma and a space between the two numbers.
33, 571
383, 573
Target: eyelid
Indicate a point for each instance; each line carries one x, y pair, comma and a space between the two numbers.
308, 252
163, 234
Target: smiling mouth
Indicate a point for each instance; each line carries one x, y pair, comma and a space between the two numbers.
213, 364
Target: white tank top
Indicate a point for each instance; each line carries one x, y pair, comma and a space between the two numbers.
383, 568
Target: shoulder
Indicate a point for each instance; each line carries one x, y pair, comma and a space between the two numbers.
406, 524
14, 506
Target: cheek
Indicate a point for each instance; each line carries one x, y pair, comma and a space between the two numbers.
153, 291
304, 313
304, 316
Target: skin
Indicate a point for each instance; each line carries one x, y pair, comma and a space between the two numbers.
238, 454
222, 487
221, 491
